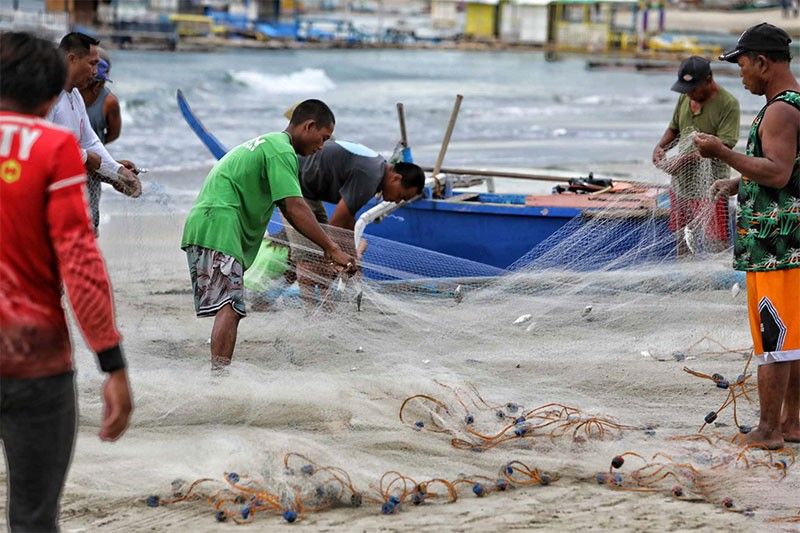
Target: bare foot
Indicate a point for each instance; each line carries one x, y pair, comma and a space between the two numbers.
769, 440
219, 365
791, 433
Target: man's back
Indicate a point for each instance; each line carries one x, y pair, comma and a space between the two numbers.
43, 213
342, 170
239, 194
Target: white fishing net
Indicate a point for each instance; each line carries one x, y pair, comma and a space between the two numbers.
572, 356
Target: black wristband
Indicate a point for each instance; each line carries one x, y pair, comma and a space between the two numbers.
111, 359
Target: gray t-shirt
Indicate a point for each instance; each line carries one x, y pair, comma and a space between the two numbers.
342, 170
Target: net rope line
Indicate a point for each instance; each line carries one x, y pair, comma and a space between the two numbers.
311, 487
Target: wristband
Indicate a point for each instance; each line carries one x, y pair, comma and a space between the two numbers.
111, 359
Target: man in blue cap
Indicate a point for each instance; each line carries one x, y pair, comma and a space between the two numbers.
102, 107
703, 106
767, 243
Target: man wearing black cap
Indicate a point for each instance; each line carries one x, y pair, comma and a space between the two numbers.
768, 226
704, 107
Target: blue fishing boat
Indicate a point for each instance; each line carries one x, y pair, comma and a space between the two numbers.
507, 231
511, 230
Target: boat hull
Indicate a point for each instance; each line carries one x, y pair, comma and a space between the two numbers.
501, 232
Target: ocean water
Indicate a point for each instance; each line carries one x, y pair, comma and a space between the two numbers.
519, 111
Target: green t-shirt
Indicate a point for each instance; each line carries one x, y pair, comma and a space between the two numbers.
768, 219
237, 199
719, 117
270, 263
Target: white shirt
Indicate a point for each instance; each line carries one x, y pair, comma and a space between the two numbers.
70, 112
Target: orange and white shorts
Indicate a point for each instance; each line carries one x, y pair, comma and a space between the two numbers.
773, 303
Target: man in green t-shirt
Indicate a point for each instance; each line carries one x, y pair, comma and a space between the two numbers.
768, 226
703, 107
224, 229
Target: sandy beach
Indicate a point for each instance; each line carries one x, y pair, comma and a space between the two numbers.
330, 385
730, 21
300, 383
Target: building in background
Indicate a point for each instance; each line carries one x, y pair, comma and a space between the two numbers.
445, 14
596, 25
526, 22
79, 11
581, 25
480, 17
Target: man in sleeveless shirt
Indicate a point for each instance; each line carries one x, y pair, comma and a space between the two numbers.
102, 107
767, 243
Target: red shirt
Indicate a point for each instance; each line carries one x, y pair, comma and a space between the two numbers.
46, 239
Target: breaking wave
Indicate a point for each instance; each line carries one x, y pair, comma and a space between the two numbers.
308, 80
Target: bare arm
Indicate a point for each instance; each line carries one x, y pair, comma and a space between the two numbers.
725, 188
668, 138
113, 118
91, 143
302, 219
85, 278
342, 217
779, 134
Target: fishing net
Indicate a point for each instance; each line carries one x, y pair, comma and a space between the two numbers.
610, 361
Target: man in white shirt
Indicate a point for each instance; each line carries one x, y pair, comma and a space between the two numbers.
81, 55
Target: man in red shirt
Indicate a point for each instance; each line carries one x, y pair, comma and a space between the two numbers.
46, 240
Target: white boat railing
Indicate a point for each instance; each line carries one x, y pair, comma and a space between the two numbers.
381, 210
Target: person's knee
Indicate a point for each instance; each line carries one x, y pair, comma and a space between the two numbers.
230, 314
227, 317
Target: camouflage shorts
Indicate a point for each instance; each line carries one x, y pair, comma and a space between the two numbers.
216, 281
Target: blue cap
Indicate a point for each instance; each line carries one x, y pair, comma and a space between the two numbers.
102, 71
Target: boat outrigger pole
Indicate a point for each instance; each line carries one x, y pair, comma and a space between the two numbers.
401, 117
437, 167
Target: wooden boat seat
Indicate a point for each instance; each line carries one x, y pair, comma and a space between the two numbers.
463, 197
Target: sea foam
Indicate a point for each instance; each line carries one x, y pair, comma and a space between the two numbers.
309, 80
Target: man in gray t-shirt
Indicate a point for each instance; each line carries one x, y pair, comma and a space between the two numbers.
349, 175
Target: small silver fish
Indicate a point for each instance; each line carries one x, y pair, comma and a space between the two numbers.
688, 238
358, 300
458, 295
735, 290
522, 319
586, 310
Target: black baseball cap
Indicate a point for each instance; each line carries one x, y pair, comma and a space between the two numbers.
762, 37
692, 72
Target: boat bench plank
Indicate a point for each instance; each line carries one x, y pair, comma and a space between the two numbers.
463, 197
